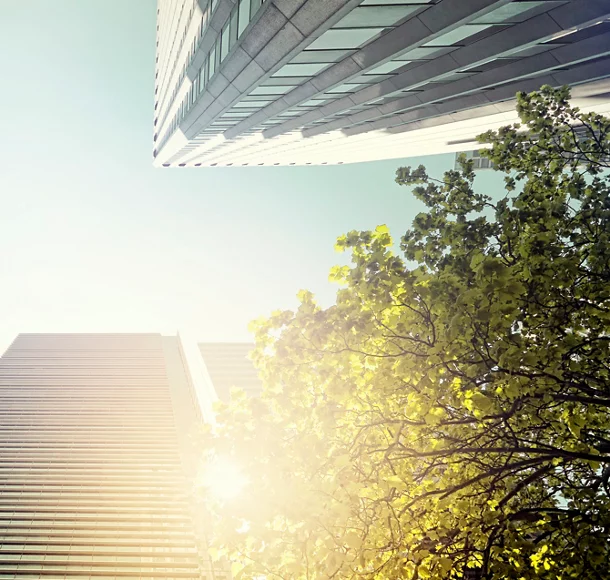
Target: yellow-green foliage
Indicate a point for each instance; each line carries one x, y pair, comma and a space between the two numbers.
448, 419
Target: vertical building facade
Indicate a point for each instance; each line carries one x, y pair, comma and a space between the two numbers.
94, 458
301, 82
227, 365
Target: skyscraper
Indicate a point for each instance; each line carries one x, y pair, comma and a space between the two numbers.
94, 458
228, 366
299, 82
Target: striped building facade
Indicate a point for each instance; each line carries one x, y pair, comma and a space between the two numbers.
94, 458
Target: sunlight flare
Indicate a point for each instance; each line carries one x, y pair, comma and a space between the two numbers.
223, 478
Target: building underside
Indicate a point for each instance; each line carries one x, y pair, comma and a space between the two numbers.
297, 82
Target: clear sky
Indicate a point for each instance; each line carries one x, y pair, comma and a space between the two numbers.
94, 239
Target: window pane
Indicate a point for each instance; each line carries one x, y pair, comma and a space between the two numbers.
300, 70
387, 67
365, 17
254, 6
202, 76
425, 53
251, 104
233, 33
276, 90
457, 35
346, 88
244, 15
513, 13
327, 56
294, 81
212, 61
217, 59
224, 41
343, 38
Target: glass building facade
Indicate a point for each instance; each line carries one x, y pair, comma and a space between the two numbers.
95, 466
297, 82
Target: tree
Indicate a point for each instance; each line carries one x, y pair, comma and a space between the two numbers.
449, 416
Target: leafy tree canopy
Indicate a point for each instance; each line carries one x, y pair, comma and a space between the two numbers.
449, 416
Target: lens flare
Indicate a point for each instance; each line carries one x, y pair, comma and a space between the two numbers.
223, 478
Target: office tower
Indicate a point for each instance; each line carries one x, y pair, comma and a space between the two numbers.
301, 82
478, 160
227, 366
94, 458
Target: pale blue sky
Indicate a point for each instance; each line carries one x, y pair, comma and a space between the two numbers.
95, 239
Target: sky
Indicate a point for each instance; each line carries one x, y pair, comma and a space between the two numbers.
94, 239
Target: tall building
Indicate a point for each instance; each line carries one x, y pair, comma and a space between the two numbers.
227, 365
94, 458
301, 82
478, 160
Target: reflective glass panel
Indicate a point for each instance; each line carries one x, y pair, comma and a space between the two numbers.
244, 15
343, 38
513, 12
233, 33
273, 90
297, 70
387, 67
251, 104
224, 41
294, 81
321, 56
212, 61
457, 35
367, 16
425, 53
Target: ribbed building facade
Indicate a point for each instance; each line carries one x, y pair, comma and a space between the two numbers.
301, 82
227, 365
95, 467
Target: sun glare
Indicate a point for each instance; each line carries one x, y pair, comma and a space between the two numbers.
223, 478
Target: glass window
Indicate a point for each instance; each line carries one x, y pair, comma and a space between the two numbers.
509, 13
387, 67
293, 81
367, 16
217, 59
244, 16
236, 114
425, 53
314, 102
251, 104
233, 32
327, 56
202, 76
343, 38
224, 41
457, 35
300, 70
290, 114
273, 90
212, 61
254, 6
